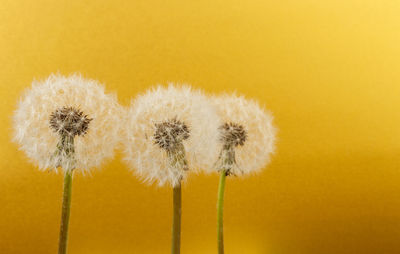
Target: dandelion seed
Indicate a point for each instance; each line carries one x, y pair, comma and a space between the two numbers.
247, 139
67, 122
170, 132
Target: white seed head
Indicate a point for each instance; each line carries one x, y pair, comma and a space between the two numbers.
68, 122
247, 135
170, 131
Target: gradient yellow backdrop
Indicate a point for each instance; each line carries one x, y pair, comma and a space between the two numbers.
328, 70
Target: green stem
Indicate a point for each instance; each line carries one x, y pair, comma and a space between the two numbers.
176, 223
220, 212
66, 206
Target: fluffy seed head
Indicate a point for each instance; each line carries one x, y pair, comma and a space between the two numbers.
68, 121
78, 110
233, 134
170, 131
247, 137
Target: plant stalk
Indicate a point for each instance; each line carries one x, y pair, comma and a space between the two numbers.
65, 212
220, 212
176, 222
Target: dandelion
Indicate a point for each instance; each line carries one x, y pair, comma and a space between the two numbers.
68, 123
247, 139
171, 131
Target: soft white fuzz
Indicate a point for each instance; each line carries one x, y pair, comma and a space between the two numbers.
253, 154
174, 104
32, 130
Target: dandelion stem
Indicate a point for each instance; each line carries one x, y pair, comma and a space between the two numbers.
220, 212
66, 205
176, 223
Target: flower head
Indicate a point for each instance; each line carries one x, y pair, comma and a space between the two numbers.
170, 131
67, 122
247, 135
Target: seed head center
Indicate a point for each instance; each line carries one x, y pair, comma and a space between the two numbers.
170, 133
233, 134
69, 121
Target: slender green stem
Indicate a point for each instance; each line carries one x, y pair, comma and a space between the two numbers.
176, 223
66, 205
220, 212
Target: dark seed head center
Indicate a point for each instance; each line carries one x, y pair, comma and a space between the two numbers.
170, 133
233, 134
69, 121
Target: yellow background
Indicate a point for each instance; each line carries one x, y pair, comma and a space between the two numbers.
328, 70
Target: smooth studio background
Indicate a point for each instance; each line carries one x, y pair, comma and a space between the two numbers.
328, 70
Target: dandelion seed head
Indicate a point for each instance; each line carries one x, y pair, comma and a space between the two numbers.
170, 132
247, 137
70, 106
